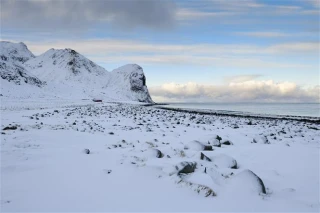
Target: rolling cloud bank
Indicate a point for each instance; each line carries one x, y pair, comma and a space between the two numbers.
247, 91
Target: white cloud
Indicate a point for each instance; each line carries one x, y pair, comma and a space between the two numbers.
231, 11
315, 3
301, 47
99, 46
265, 34
253, 90
220, 62
241, 78
218, 55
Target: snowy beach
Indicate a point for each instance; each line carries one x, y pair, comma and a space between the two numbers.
124, 157
159, 106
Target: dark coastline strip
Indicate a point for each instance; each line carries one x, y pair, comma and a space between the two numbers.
302, 119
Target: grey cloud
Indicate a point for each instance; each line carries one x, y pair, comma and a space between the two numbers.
80, 14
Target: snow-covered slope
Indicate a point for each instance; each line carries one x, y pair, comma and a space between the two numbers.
12, 57
68, 74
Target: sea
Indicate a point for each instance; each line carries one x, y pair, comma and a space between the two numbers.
288, 109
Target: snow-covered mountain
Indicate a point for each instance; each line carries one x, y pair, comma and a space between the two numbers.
12, 69
64, 73
67, 67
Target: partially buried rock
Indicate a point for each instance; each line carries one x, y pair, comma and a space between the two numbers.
215, 142
159, 153
10, 128
227, 142
86, 151
247, 181
186, 167
261, 140
224, 161
204, 157
198, 146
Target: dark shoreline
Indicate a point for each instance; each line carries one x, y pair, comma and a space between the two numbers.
305, 119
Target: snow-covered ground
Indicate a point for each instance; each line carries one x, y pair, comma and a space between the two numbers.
149, 159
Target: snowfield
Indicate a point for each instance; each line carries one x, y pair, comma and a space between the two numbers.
82, 156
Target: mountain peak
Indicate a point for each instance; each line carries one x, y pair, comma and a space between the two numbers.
71, 51
18, 52
12, 59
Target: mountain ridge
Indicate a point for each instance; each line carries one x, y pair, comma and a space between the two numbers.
67, 73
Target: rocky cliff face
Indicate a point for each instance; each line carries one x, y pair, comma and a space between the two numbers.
65, 72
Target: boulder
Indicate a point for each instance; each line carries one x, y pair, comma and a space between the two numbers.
214, 142
204, 157
247, 182
227, 142
198, 146
159, 154
186, 167
261, 140
224, 161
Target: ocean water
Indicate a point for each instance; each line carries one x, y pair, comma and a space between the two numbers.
291, 109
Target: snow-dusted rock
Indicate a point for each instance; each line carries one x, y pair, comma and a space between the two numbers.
214, 142
247, 182
224, 161
198, 146
154, 153
204, 157
86, 151
199, 182
186, 167
261, 140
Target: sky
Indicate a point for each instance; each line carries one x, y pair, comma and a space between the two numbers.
205, 50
